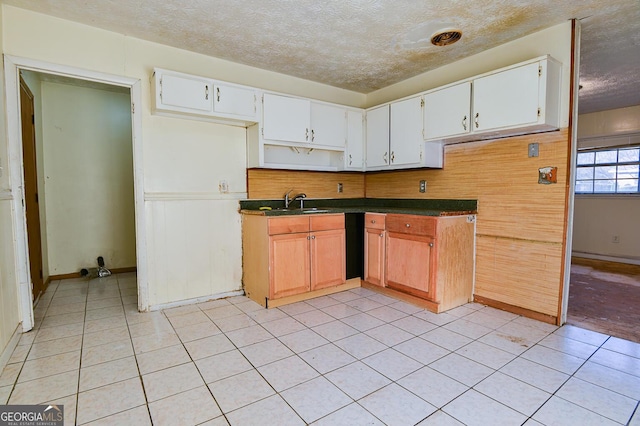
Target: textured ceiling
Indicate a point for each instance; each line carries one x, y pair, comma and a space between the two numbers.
355, 44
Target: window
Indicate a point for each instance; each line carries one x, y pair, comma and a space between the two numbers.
608, 171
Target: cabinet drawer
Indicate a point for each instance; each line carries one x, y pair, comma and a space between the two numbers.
411, 224
288, 225
374, 220
326, 222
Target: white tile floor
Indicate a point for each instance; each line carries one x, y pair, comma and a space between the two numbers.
353, 358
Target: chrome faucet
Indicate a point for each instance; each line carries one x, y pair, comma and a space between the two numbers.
300, 197
287, 200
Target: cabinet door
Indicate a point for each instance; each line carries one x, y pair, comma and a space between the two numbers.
354, 155
186, 93
374, 256
409, 264
328, 125
289, 267
328, 263
286, 119
234, 100
406, 131
378, 137
505, 99
447, 112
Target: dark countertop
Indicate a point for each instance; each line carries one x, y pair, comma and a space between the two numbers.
363, 205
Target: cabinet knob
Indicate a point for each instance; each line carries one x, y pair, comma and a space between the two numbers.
313, 237
430, 244
206, 92
408, 225
385, 158
308, 237
350, 160
393, 156
217, 94
381, 235
476, 119
306, 134
313, 135
464, 123
373, 221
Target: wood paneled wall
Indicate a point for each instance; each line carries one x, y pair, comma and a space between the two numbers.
520, 226
265, 184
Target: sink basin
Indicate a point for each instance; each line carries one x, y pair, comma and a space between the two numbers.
314, 210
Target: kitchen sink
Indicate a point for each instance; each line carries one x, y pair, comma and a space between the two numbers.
314, 210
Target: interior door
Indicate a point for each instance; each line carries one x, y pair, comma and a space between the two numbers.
32, 208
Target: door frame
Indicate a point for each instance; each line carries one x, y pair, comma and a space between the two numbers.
12, 67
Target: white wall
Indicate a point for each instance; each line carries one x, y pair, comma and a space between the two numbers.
193, 231
88, 171
598, 218
9, 305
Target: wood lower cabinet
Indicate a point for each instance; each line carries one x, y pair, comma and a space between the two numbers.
374, 251
292, 255
289, 265
424, 256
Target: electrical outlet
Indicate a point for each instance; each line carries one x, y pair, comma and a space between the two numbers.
223, 186
340, 187
423, 186
615, 239
533, 150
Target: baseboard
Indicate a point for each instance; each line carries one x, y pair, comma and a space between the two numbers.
616, 259
5, 356
195, 300
550, 319
78, 275
607, 265
405, 297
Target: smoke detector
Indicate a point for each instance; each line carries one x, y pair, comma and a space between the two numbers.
430, 34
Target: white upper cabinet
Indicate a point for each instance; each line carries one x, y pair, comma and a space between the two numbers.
406, 131
286, 119
377, 137
183, 93
190, 96
328, 125
505, 99
354, 154
230, 99
447, 111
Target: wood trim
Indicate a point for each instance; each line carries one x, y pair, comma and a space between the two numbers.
422, 303
568, 181
515, 309
348, 285
77, 274
607, 265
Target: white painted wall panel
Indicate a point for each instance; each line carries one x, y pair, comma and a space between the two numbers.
191, 253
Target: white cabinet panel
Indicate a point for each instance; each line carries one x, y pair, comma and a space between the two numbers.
505, 99
447, 112
185, 93
328, 125
378, 137
354, 155
286, 119
234, 100
406, 131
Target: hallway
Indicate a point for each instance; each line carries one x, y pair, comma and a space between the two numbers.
355, 357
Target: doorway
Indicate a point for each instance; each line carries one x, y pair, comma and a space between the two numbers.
13, 68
